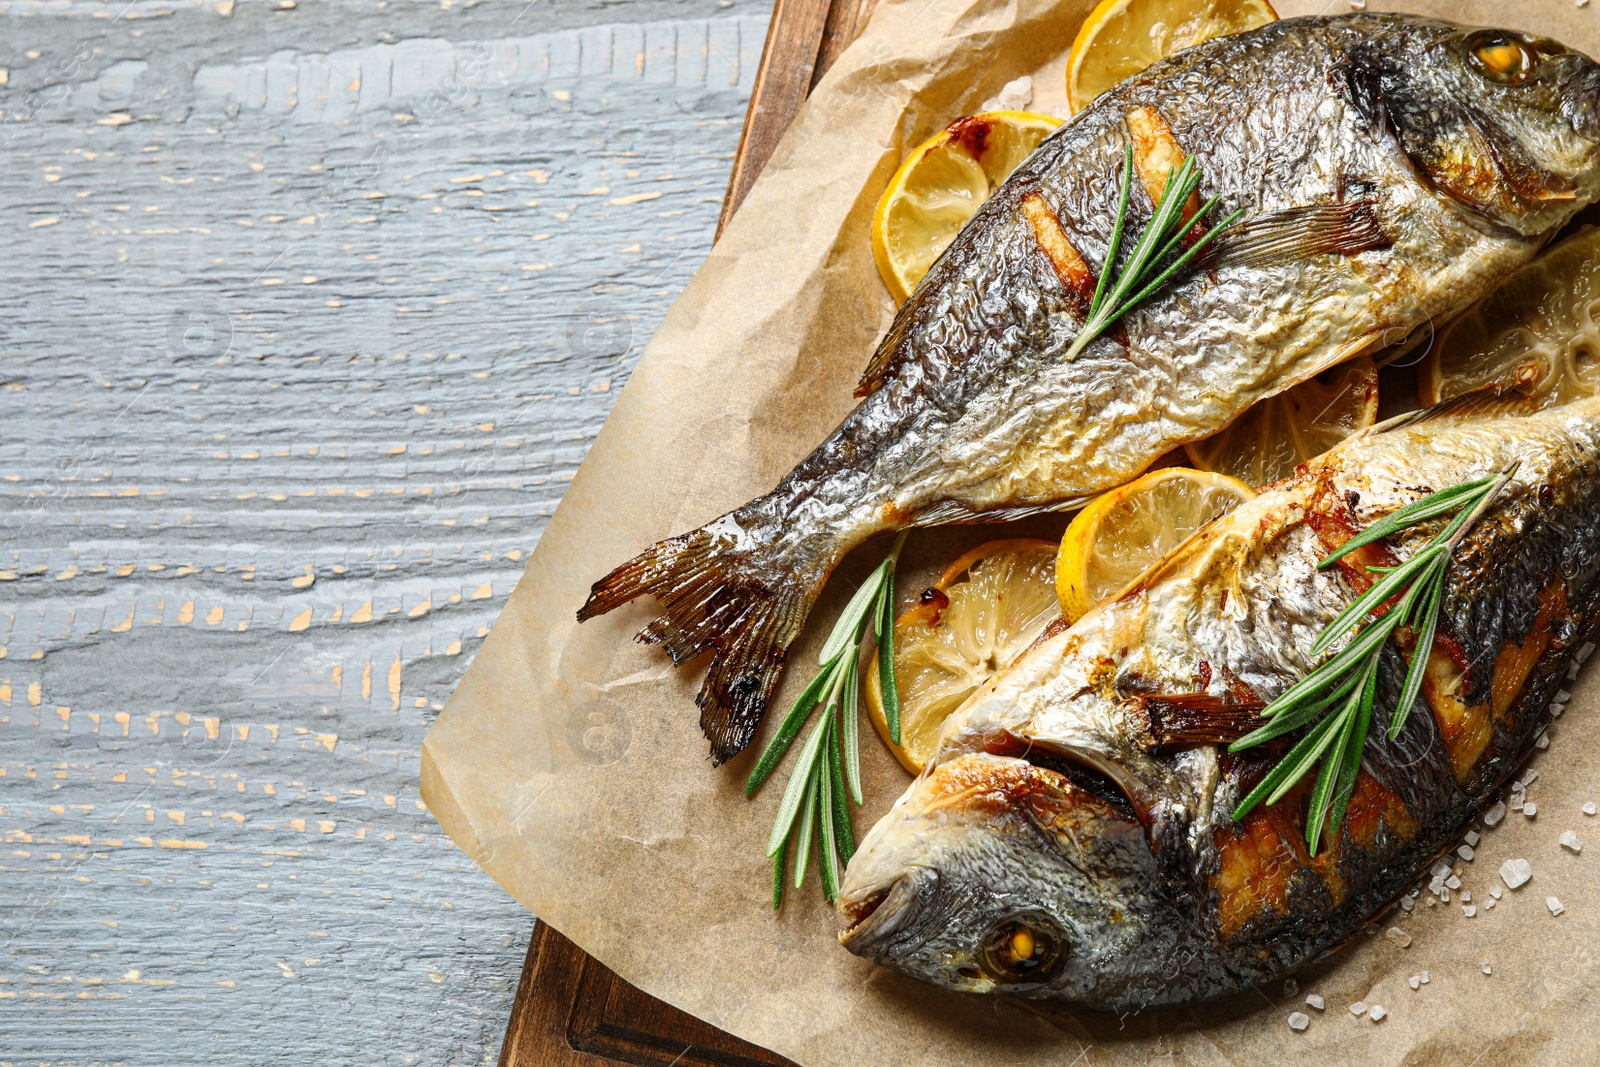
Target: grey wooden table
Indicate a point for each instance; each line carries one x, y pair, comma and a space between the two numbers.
310, 311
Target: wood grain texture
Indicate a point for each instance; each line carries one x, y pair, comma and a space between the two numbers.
312, 312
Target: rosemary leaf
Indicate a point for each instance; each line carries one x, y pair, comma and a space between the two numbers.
1420, 651
844, 837
1380, 593
787, 731
1125, 188
850, 730
808, 818
848, 629
1349, 759
799, 780
887, 686
1293, 719
777, 874
1282, 771
828, 841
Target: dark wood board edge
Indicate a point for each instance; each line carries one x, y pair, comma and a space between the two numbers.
570, 1010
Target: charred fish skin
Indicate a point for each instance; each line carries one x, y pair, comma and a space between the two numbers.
1388, 178
1218, 904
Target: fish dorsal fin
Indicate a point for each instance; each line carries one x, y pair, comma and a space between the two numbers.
890, 348
1510, 395
1298, 233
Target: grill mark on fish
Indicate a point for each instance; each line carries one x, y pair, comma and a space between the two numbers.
1156, 156
1070, 266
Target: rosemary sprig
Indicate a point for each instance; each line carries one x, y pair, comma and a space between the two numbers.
827, 775
1143, 273
1349, 680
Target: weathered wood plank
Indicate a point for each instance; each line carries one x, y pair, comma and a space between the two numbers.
312, 312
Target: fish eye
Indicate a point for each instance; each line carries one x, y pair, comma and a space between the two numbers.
1502, 58
1025, 948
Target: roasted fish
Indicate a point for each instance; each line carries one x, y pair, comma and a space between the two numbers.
1390, 170
1074, 836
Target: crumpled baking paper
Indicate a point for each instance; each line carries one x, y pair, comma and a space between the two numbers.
569, 764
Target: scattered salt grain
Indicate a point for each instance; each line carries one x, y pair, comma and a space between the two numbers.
1589, 808
1486, 968
1444, 896
1586, 651
1406, 903
1431, 901
1528, 778
1440, 870
1488, 904
1315, 1000
1495, 891
1556, 710
1572, 673
1358, 1008
1299, 1020
1543, 742
1465, 852
1515, 873
1473, 838
1466, 897
1453, 882
1377, 1012
1562, 696
1530, 809
1361, 5
1398, 936
1570, 842
1517, 801
1495, 814
1555, 906
1415, 981
1014, 95
1469, 910
1424, 977
1291, 988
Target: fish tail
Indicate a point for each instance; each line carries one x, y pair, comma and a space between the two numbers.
734, 595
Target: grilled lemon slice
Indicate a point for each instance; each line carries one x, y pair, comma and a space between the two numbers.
1278, 434
942, 184
986, 608
1540, 330
1121, 534
1122, 37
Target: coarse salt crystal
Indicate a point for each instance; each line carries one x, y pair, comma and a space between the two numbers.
1495, 891
1555, 906
1465, 852
1444, 895
1469, 910
1569, 840
1529, 777
1488, 904
1495, 814
1377, 1012
1398, 936
1466, 897
1556, 710
1453, 882
1358, 5
1431, 901
1516, 802
1515, 873
1543, 742
1424, 977
1358, 1008
1562, 696
1415, 981
1572, 673
1589, 808
1530, 809
1440, 870
1586, 651
1473, 838
1315, 1000
1299, 1020
1406, 903
1486, 968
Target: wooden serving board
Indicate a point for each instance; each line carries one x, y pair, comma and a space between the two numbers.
570, 1009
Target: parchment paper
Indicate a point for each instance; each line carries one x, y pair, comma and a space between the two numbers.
570, 766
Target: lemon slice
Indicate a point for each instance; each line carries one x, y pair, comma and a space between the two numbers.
1539, 330
942, 184
1122, 37
1121, 534
1278, 434
983, 611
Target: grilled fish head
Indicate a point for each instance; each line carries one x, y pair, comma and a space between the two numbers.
992, 874
1505, 123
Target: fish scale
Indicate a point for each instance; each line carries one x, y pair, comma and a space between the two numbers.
1362, 153
1242, 901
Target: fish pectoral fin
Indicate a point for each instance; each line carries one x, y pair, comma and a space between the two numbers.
1298, 233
